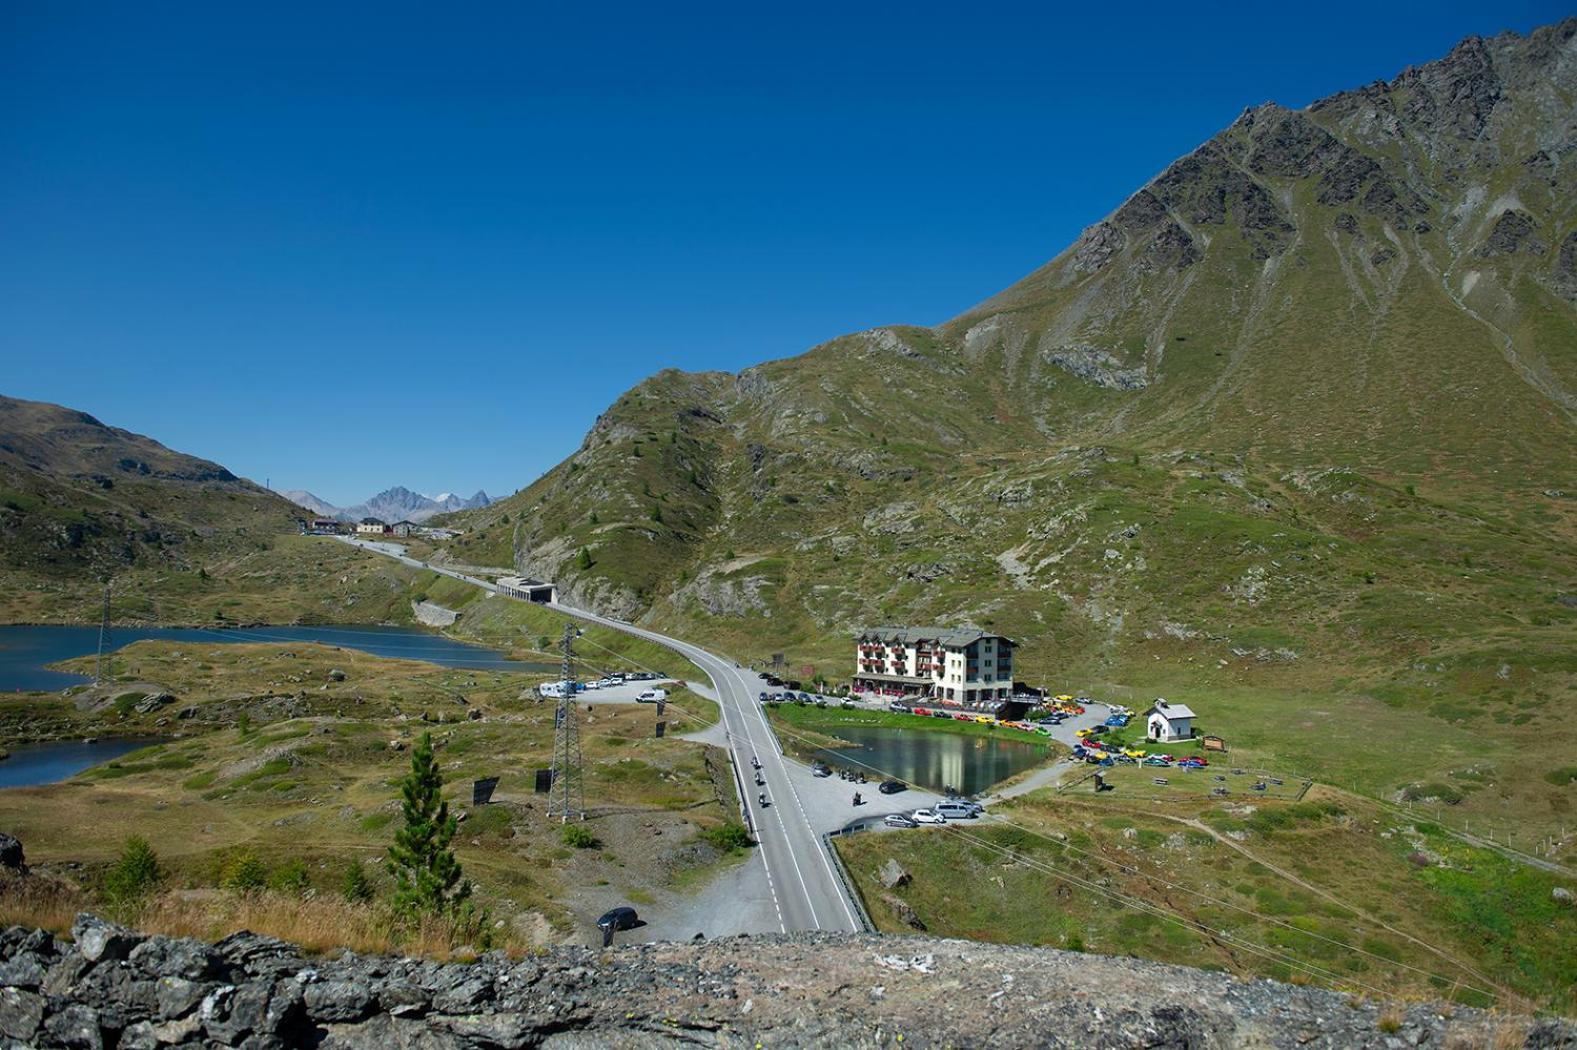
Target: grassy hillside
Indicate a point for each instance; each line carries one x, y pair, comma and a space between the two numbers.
182, 539
1293, 428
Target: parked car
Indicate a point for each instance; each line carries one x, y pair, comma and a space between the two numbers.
898, 708
926, 816
1156, 760
898, 820
892, 787
821, 769
616, 920
954, 809
651, 696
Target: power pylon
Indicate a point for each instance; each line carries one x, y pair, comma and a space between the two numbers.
567, 800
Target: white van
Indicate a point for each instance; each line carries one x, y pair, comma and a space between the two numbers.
953, 809
651, 696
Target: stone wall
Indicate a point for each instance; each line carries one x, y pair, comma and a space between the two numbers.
116, 988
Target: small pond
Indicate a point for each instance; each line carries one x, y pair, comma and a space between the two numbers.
934, 760
35, 764
25, 652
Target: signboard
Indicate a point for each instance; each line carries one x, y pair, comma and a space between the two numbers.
807, 671
661, 728
544, 781
1215, 743
482, 790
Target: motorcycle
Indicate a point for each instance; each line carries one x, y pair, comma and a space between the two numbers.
857, 798
762, 799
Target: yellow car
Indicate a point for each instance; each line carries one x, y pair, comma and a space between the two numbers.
1082, 733
984, 720
1134, 753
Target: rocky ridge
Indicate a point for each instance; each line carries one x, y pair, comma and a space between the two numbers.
112, 987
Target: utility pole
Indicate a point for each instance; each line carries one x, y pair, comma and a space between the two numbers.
104, 632
568, 797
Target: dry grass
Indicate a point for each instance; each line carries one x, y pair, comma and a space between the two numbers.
44, 903
319, 925
1390, 1019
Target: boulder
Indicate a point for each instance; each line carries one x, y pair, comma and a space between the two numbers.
11, 853
152, 702
903, 912
893, 874
1562, 895
98, 940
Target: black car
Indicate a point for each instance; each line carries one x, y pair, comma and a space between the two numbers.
615, 920
892, 787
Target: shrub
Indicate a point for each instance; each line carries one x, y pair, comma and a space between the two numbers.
134, 873
243, 871
291, 878
356, 887
579, 836
729, 837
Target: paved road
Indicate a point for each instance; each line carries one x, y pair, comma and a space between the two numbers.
806, 890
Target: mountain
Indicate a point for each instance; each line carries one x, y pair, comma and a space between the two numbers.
183, 540
1300, 415
81, 499
307, 501
395, 504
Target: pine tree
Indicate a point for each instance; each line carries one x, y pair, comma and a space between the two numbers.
427, 877
356, 887
583, 559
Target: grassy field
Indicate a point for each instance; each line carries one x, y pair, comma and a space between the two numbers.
282, 759
1330, 890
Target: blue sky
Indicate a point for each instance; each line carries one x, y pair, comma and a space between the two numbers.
346, 247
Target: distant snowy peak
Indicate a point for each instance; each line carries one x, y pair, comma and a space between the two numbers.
395, 504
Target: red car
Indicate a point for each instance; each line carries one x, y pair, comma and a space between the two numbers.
1194, 760
963, 718
922, 710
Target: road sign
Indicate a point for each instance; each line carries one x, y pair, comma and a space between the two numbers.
544, 781
661, 728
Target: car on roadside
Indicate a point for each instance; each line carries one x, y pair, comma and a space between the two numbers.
926, 816
821, 769
899, 820
892, 787
899, 709
957, 809
614, 921
1156, 760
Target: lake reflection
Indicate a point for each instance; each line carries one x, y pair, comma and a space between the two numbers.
971, 764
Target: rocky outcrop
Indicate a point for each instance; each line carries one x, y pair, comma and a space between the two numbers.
433, 615
117, 988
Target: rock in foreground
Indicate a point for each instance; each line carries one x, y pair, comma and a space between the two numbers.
117, 988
